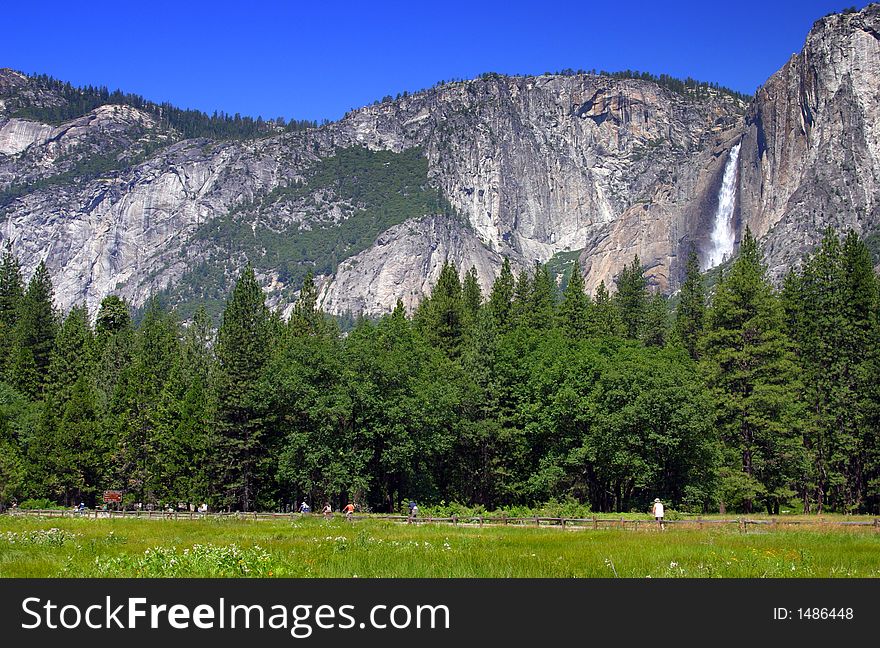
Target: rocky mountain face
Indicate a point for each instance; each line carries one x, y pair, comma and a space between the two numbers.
117, 201
811, 148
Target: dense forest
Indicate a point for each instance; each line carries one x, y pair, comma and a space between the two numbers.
748, 398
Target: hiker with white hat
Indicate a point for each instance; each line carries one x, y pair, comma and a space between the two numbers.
657, 512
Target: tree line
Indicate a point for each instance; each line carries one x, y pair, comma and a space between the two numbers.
77, 101
741, 398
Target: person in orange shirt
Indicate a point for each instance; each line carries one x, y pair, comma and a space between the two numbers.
348, 510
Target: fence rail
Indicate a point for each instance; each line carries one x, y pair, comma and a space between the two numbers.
537, 521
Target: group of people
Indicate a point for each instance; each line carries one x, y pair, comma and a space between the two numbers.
327, 511
656, 510
348, 510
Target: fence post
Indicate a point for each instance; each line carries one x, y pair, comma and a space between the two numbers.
537, 522
595, 523
481, 521
504, 519
700, 523
454, 520
562, 522
877, 524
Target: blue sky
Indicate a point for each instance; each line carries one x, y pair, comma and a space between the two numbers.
316, 60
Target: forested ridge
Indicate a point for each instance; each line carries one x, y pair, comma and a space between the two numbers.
77, 101
744, 399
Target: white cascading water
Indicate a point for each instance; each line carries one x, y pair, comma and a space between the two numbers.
722, 232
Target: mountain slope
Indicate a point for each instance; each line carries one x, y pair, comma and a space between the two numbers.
811, 150
120, 200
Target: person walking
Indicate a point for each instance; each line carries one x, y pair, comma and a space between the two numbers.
348, 510
327, 510
657, 512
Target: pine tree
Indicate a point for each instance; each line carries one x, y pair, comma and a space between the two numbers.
522, 300
11, 294
632, 299
243, 346
542, 310
33, 336
656, 327
307, 317
440, 317
690, 315
831, 309
605, 318
501, 297
752, 375
471, 298
112, 317
861, 347
574, 310
68, 452
182, 418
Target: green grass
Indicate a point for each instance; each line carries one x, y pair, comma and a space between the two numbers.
319, 548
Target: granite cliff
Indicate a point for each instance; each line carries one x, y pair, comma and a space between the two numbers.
117, 200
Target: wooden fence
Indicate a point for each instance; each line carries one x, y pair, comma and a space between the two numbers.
607, 522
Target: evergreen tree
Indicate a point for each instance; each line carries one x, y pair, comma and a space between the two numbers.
243, 347
690, 315
753, 377
14, 475
542, 300
861, 304
574, 310
307, 317
605, 318
632, 299
182, 418
522, 300
656, 327
33, 336
68, 452
501, 297
440, 317
831, 309
471, 298
11, 294
113, 316
136, 398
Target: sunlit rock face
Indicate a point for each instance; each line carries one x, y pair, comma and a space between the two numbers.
115, 201
811, 152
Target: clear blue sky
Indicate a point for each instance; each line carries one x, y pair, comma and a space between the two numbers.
312, 60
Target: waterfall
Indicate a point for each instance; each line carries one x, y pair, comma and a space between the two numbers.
722, 231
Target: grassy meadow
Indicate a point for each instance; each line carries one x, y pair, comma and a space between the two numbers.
312, 547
